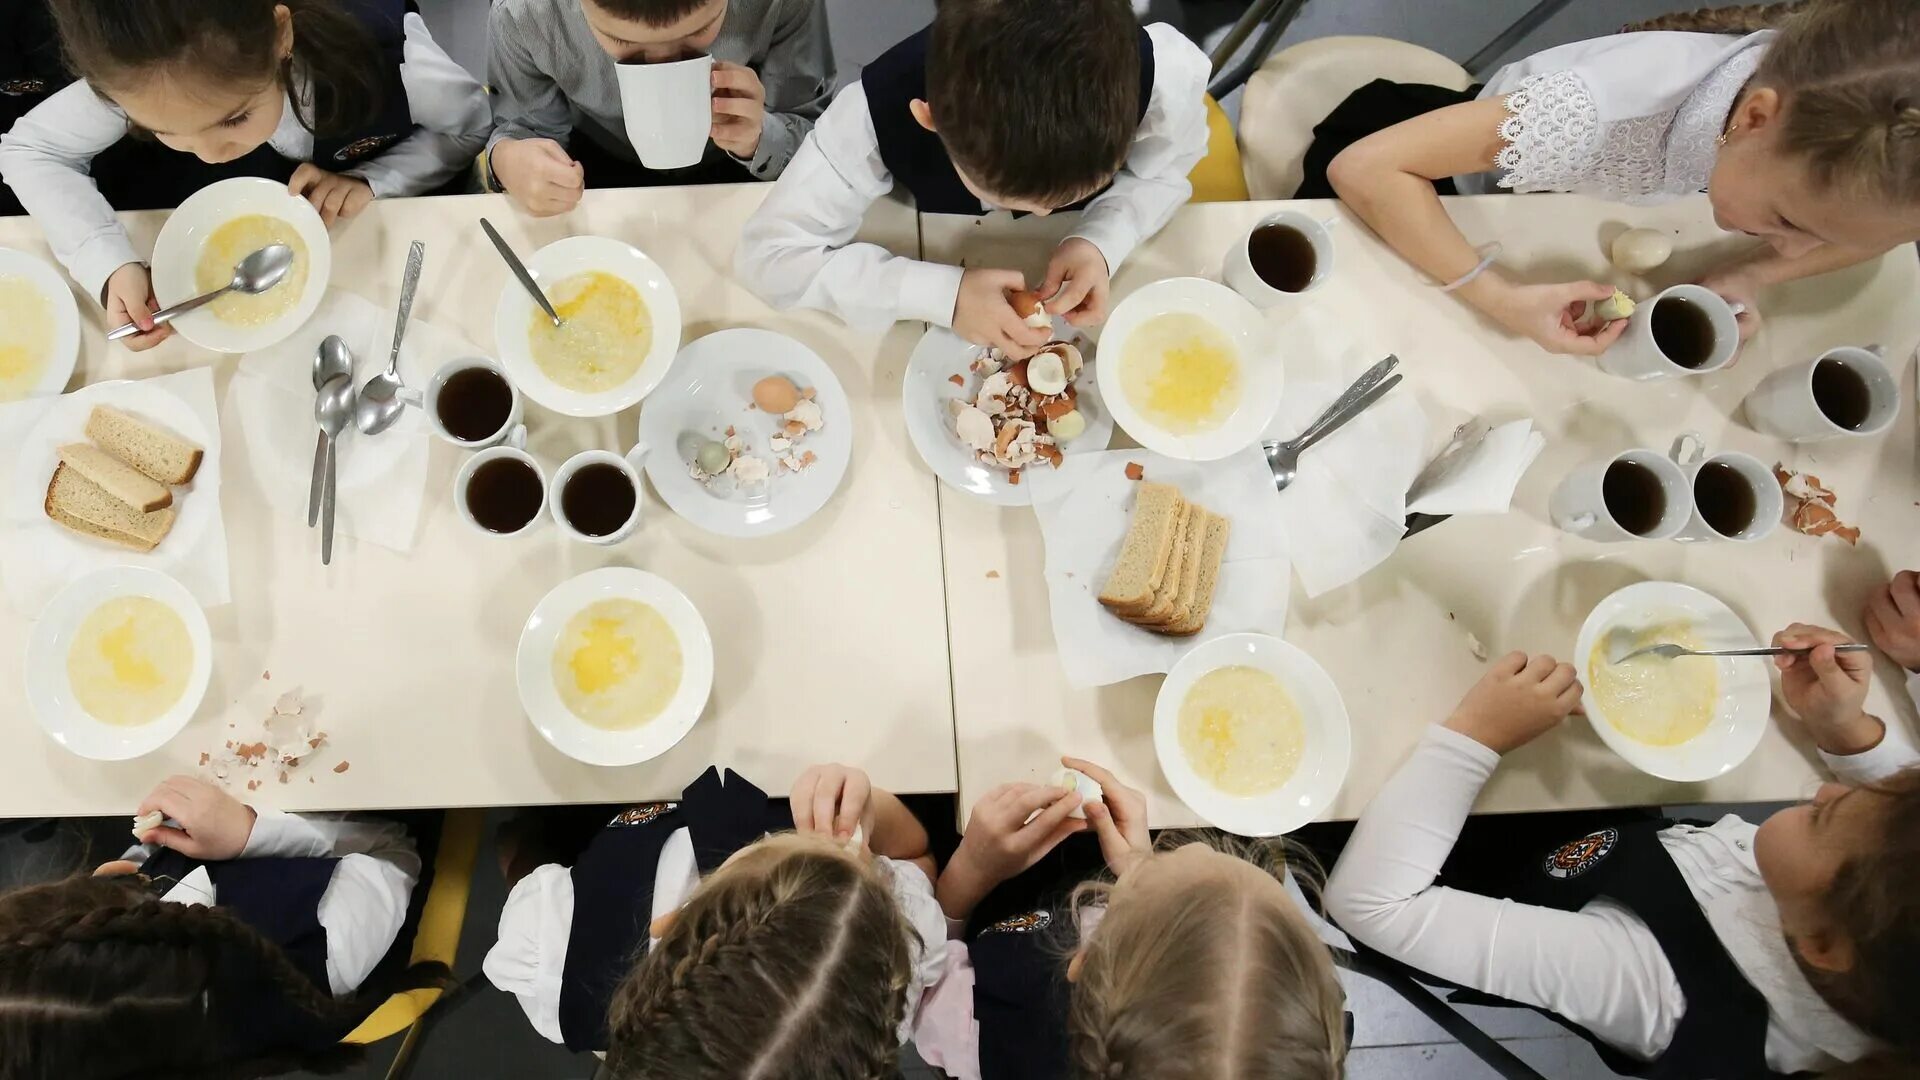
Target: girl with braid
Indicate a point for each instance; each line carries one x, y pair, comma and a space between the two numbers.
729, 936
230, 943
1801, 122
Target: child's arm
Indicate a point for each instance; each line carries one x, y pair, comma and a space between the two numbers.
45, 159
1599, 967
795, 84
1012, 827
527, 154
1742, 281
1828, 692
833, 800
450, 109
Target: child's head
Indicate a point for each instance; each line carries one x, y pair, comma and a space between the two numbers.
1824, 145
99, 979
655, 31
1204, 966
793, 959
1036, 101
211, 77
1845, 872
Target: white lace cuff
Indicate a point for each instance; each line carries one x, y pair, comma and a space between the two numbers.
1552, 134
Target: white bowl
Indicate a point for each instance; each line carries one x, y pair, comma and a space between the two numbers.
52, 287
1323, 763
563, 259
177, 250
708, 392
575, 737
51, 694
1746, 691
1261, 374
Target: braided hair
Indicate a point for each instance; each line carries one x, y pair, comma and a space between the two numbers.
793, 960
100, 980
1738, 19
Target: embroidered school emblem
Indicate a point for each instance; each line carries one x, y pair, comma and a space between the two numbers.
1571, 860
644, 814
18, 87
360, 148
1031, 923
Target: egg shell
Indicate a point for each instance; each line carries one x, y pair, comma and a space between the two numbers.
1047, 373
1079, 783
776, 394
1030, 307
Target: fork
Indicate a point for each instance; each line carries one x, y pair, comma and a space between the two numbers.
1283, 458
1669, 652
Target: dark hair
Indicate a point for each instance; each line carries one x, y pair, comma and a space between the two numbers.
115, 44
99, 979
1035, 99
651, 12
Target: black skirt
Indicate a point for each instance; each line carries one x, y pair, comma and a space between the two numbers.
1374, 107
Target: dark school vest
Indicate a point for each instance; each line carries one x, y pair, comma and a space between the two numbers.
915, 156
613, 887
30, 70
1723, 1033
141, 173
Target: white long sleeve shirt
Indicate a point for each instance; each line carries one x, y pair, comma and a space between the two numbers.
1599, 967
365, 903
47, 156
796, 250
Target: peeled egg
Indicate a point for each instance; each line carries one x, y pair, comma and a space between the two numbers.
1079, 783
1639, 250
1046, 374
1067, 427
713, 457
776, 394
1030, 307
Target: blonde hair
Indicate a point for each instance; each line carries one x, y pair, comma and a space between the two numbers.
1206, 982
1738, 19
791, 961
1849, 74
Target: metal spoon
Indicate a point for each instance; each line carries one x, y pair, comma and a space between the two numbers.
331, 410
330, 359
254, 274
384, 396
1669, 652
519, 270
1283, 458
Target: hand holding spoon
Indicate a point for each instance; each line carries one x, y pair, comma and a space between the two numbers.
255, 274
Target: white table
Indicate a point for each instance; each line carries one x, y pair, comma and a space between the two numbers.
1396, 641
830, 642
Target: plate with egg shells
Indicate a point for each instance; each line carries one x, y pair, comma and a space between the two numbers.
119, 661
750, 434
1252, 734
39, 328
968, 414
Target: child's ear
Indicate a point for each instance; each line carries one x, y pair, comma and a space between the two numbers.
283, 36
660, 926
922, 112
1758, 111
1824, 950
1073, 965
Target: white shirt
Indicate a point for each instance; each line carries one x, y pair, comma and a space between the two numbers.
364, 904
530, 957
45, 159
795, 251
1599, 967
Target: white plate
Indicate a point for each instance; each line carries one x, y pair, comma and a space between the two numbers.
51, 695
177, 251
65, 350
1261, 374
942, 354
561, 260
1323, 763
709, 391
64, 420
1746, 691
534, 668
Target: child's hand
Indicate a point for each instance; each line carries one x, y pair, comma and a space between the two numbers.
983, 315
1550, 314
129, 299
1736, 286
1893, 619
1518, 700
1078, 282
213, 824
1012, 827
1828, 690
830, 800
739, 109
331, 193
539, 174
1119, 819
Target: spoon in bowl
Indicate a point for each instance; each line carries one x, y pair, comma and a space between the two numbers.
254, 274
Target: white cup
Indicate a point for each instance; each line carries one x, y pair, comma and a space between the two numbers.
1636, 356
630, 465
1579, 504
1241, 277
1769, 505
669, 110
1784, 405
464, 477
511, 433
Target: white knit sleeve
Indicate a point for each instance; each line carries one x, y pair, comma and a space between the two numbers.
1551, 134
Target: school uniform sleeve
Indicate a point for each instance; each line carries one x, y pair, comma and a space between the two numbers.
945, 1033
366, 902
1599, 967
45, 159
530, 955
1171, 141
798, 77
796, 250
527, 103
450, 109
1894, 753
913, 891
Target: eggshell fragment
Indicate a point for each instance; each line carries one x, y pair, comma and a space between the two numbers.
1029, 306
1047, 373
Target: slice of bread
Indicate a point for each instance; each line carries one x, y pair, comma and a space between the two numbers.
1183, 567
1169, 572
1212, 550
1189, 586
87, 508
122, 481
1142, 564
156, 453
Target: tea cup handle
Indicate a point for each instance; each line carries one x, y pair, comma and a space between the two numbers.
1737, 309
1679, 451
517, 438
410, 396
1878, 350
1579, 522
637, 457
1331, 221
